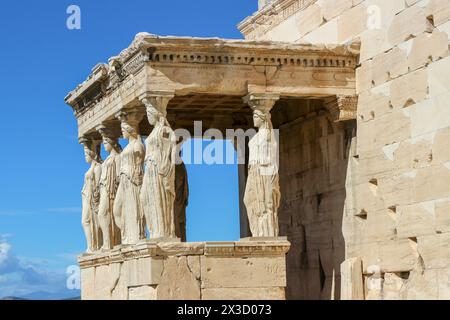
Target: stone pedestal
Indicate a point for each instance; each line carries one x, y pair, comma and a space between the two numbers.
250, 269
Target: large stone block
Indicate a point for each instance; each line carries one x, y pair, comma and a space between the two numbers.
416, 220
442, 215
435, 250
439, 77
271, 293
409, 89
389, 65
142, 293
398, 255
309, 19
402, 27
422, 285
441, 146
352, 23
144, 271
439, 10
88, 283
243, 272
333, 8
326, 33
430, 115
427, 48
431, 183
178, 282
352, 287
443, 279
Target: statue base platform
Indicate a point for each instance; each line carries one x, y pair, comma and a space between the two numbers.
250, 269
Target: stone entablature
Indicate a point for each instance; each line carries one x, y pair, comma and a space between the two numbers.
183, 66
247, 269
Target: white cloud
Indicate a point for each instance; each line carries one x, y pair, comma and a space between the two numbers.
4, 253
22, 277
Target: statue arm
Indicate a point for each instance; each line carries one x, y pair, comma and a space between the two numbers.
267, 150
138, 168
96, 191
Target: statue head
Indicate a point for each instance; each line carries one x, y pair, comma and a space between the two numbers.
110, 139
261, 119
130, 120
153, 115
91, 150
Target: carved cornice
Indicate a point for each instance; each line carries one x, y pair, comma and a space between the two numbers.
245, 248
207, 52
342, 108
270, 16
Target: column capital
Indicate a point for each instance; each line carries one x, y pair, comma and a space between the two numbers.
92, 144
109, 129
158, 100
263, 102
132, 116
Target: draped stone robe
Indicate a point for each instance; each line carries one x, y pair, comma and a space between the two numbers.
158, 191
90, 201
262, 194
109, 182
127, 209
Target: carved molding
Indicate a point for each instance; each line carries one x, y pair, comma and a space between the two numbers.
342, 108
158, 100
154, 249
263, 102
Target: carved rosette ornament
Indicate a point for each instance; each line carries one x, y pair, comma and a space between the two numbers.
109, 183
158, 190
90, 193
262, 194
127, 209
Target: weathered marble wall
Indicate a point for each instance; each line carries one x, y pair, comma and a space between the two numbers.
397, 217
313, 165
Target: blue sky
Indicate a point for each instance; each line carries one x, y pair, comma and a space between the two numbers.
43, 166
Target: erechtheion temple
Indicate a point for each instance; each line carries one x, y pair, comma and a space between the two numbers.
356, 207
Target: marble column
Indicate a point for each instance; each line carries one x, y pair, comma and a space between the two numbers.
262, 193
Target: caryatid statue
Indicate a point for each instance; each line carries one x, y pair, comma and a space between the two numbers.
127, 210
109, 183
90, 193
158, 190
262, 194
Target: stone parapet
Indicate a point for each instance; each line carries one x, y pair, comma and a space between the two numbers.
247, 269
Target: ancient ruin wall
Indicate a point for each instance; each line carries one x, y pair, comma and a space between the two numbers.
314, 155
397, 215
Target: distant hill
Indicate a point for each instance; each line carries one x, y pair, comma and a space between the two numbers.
41, 295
